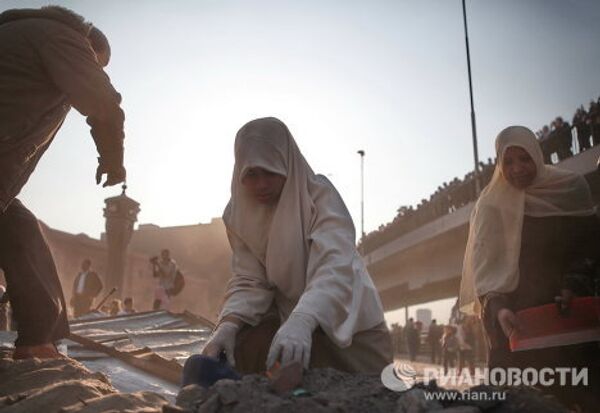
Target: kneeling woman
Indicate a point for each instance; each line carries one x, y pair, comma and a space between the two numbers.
299, 291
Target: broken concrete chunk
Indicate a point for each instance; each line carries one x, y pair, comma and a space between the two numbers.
51, 398
529, 399
227, 391
191, 396
415, 401
24, 376
119, 402
211, 405
169, 408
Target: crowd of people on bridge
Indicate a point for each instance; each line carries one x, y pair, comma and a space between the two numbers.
557, 141
448, 197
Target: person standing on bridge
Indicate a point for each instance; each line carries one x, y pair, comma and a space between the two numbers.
300, 291
530, 224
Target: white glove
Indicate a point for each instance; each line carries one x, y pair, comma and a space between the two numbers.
223, 338
293, 341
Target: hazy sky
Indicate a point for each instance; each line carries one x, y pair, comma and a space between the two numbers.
388, 77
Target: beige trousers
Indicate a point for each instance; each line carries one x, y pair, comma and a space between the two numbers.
370, 351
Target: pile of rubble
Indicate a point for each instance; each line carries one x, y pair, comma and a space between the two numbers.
329, 390
66, 386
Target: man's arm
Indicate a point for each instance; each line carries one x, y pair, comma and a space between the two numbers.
72, 66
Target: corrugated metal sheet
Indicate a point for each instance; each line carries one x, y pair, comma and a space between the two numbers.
171, 336
138, 352
142, 351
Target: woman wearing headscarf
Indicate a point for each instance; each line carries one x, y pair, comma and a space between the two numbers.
530, 224
300, 290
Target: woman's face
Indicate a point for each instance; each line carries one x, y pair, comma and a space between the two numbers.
518, 167
263, 185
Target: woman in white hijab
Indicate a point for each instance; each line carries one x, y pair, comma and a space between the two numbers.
529, 226
299, 291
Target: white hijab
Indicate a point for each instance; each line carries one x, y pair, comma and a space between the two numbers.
302, 249
271, 232
491, 262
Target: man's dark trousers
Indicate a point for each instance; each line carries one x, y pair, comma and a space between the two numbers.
32, 280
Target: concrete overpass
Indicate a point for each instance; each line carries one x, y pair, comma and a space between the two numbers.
426, 264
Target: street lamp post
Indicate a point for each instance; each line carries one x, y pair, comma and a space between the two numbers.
473, 125
362, 194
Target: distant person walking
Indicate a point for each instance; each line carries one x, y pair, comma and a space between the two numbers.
412, 339
115, 308
397, 337
4, 316
450, 347
127, 306
434, 334
86, 287
466, 344
165, 270
50, 59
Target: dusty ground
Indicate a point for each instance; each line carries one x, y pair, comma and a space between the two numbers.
328, 390
64, 385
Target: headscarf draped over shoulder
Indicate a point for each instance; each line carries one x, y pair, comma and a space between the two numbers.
491, 261
299, 253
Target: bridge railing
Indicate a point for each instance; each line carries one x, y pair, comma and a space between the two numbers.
458, 193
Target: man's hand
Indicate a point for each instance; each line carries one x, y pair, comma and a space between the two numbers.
508, 321
293, 341
114, 174
222, 339
107, 131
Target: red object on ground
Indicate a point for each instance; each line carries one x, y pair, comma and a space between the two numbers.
285, 378
544, 326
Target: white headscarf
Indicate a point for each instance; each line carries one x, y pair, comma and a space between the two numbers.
299, 252
491, 262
